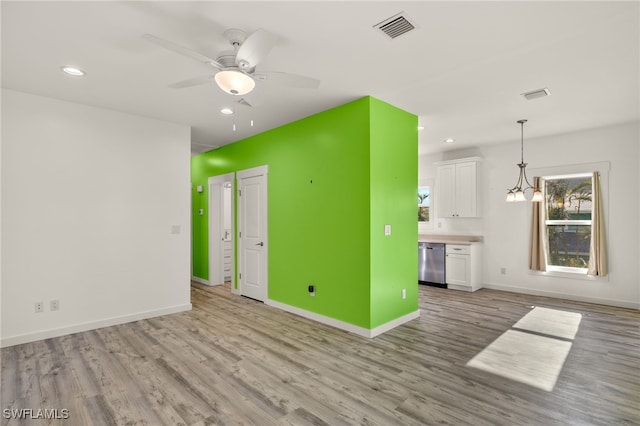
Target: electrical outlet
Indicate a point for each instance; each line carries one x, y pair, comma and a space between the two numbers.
54, 305
312, 290
503, 271
404, 293
39, 307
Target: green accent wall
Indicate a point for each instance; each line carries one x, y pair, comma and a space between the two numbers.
334, 177
393, 188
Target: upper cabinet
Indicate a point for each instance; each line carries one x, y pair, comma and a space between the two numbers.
458, 188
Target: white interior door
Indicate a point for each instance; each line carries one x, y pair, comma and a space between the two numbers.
227, 228
252, 232
220, 228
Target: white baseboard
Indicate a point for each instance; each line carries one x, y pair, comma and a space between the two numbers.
351, 328
201, 280
394, 323
92, 325
577, 298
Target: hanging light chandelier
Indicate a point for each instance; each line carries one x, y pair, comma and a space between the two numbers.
517, 192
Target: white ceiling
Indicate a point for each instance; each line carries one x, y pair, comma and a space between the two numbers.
462, 71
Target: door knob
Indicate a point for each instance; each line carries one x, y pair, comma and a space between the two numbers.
260, 244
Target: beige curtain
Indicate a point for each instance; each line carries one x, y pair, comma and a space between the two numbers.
536, 248
597, 251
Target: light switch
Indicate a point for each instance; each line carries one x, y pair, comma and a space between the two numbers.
200, 212
175, 229
387, 230
199, 188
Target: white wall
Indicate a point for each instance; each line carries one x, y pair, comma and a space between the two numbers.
89, 199
505, 226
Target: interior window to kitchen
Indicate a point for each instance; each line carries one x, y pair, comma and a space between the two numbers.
568, 205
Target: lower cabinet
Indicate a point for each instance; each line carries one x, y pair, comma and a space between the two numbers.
462, 264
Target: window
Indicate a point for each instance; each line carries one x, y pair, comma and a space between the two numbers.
568, 202
424, 201
426, 212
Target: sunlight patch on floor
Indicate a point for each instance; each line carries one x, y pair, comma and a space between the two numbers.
524, 357
529, 358
551, 322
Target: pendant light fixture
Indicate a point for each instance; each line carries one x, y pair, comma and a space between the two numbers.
517, 192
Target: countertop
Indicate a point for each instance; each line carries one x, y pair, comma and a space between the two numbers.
450, 239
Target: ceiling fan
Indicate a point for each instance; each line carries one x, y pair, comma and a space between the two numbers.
235, 69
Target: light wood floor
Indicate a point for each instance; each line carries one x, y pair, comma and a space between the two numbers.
235, 361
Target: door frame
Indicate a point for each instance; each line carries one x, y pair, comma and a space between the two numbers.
242, 174
216, 225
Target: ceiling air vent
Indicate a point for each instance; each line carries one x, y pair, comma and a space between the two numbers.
535, 94
396, 25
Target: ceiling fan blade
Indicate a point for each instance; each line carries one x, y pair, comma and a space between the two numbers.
293, 80
192, 82
169, 45
255, 48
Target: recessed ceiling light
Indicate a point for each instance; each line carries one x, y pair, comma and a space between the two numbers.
73, 71
449, 140
420, 127
226, 111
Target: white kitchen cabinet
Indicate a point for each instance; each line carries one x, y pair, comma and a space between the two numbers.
462, 266
457, 188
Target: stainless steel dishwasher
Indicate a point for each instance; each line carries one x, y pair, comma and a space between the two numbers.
431, 258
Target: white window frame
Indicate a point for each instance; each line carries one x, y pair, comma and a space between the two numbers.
425, 227
558, 268
567, 171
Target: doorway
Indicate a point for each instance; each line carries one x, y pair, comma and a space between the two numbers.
252, 233
221, 230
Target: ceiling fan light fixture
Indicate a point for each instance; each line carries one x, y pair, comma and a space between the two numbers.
234, 82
